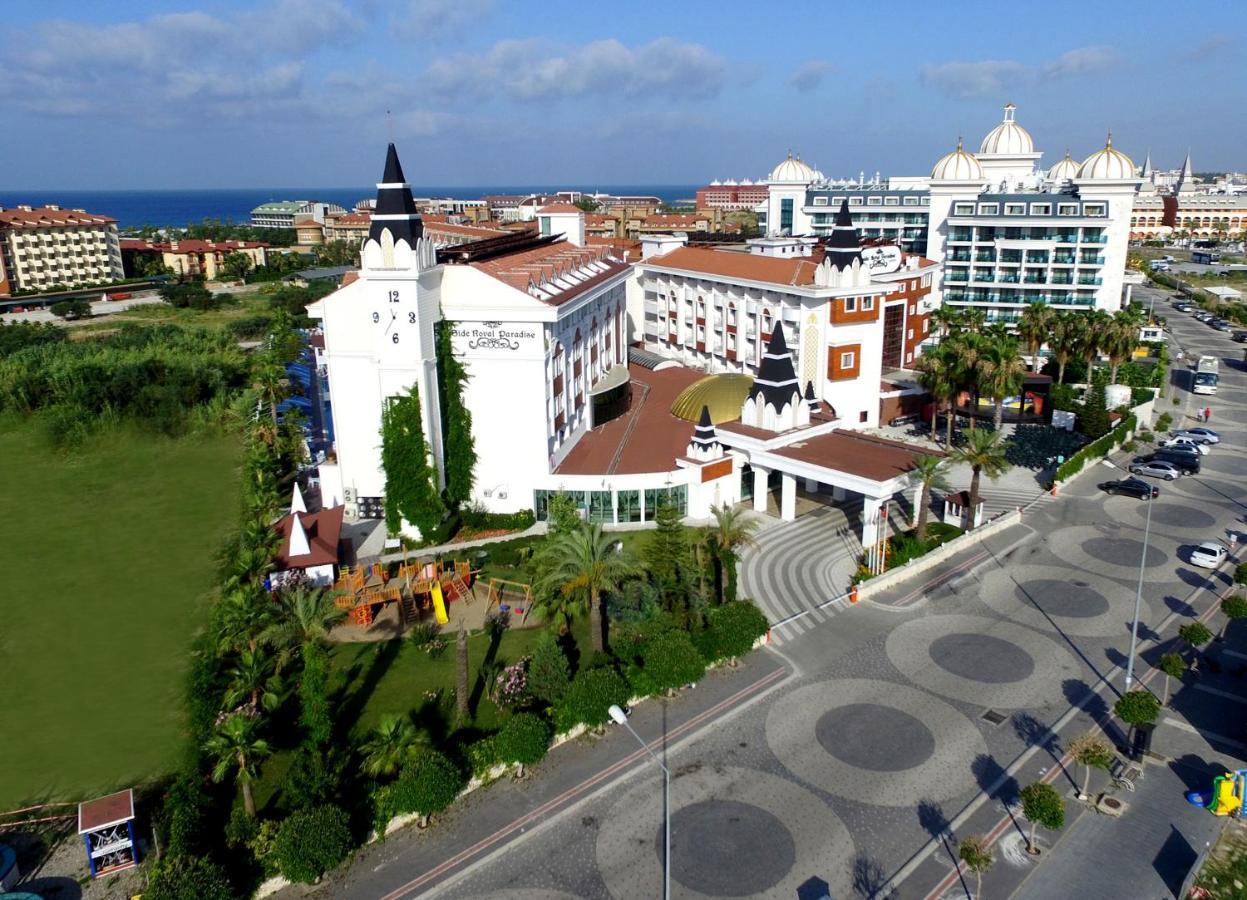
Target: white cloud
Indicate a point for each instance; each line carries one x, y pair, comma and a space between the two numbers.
975, 79
535, 69
1080, 61
810, 75
439, 18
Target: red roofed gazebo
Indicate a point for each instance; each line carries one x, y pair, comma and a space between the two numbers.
107, 829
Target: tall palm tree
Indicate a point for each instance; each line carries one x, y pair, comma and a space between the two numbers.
1001, 373
974, 318
948, 320
306, 615
928, 472
733, 531
984, 452
241, 617
235, 751
1121, 336
1033, 328
1063, 339
969, 349
1091, 337
253, 681
393, 743
937, 374
583, 564
461, 671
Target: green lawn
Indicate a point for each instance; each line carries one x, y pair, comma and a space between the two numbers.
109, 555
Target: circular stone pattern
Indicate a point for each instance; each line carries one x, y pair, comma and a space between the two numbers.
1066, 599
874, 737
920, 652
735, 832
851, 719
1124, 552
1175, 515
733, 849
981, 657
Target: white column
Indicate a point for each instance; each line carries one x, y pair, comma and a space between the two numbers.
760, 477
870, 525
788, 497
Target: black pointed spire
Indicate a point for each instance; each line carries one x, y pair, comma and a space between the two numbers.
396, 210
776, 379
810, 400
843, 245
704, 422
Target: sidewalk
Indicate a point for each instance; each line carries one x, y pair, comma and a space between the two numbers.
411, 862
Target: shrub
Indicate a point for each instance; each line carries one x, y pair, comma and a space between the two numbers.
496, 624
668, 662
314, 778
427, 785
1195, 633
70, 309
1146, 436
183, 814
510, 687
589, 698
524, 739
15, 336
263, 847
1163, 421
549, 673
1137, 707
1129, 446
731, 631
189, 878
482, 755
311, 842
1240, 573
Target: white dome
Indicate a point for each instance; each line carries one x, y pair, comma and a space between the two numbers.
957, 166
1065, 170
1108, 163
1008, 138
792, 170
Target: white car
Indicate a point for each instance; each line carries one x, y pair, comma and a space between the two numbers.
1183, 441
1199, 435
1208, 555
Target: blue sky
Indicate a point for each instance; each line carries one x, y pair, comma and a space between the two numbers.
295, 92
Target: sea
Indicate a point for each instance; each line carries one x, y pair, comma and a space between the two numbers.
134, 209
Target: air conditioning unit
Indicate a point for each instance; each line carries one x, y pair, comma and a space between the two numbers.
348, 495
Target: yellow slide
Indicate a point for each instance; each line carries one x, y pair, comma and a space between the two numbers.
439, 605
1225, 802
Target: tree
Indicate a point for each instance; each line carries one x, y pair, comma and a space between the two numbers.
1042, 805
1233, 608
937, 374
410, 481
1174, 666
731, 631
393, 743
1000, 374
1090, 751
1034, 326
458, 445
252, 680
1120, 337
1137, 708
590, 697
928, 472
733, 531
337, 253
235, 751
667, 557
976, 853
549, 673
669, 661
1240, 571
985, 454
1195, 635
269, 379
1063, 340
1091, 336
584, 564
1093, 418
427, 785
968, 351
310, 842
524, 740
189, 877
305, 616
461, 671
236, 264
70, 309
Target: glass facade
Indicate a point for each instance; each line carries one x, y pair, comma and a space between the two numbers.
615, 507
785, 216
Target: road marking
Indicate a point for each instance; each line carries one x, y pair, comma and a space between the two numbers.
1234, 653
1209, 736
485, 843
1219, 693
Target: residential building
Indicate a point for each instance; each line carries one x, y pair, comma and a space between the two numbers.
283, 213
308, 232
351, 227
732, 195
668, 223
45, 247
192, 257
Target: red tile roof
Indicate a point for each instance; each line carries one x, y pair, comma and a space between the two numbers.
730, 264
858, 454
559, 208
545, 263
323, 530
50, 216
475, 231
352, 219
193, 245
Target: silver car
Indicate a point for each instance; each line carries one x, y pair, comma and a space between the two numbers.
1156, 468
1199, 435
1180, 440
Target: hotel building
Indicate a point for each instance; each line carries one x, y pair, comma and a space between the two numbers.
46, 247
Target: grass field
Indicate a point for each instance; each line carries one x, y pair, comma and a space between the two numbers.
109, 555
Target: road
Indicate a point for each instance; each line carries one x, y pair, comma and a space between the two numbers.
98, 308
906, 724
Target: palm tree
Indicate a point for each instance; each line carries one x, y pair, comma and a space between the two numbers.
1063, 339
1001, 373
969, 349
985, 454
974, 318
948, 320
733, 531
1092, 335
928, 471
236, 751
461, 671
242, 615
252, 681
306, 615
936, 373
269, 375
393, 743
1033, 328
583, 564
1121, 336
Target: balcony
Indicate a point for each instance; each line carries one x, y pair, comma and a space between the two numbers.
959, 255
985, 278
1008, 278
1036, 279
1040, 258
1090, 279
1062, 278
1063, 259
1091, 260
985, 256
1095, 239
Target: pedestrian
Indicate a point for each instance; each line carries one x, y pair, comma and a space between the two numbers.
1207, 413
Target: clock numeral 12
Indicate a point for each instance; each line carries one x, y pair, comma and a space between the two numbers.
393, 296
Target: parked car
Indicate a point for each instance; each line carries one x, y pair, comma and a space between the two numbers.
1184, 307
1157, 468
1223, 325
1198, 446
1187, 462
1132, 487
1239, 337
909, 419
1200, 434
1208, 555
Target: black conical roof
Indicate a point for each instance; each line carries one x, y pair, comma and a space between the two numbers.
843, 245
704, 421
396, 210
776, 379
704, 434
809, 390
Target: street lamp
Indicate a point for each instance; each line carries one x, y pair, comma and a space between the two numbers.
621, 718
1138, 599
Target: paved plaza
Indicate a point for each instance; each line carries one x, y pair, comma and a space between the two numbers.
910, 721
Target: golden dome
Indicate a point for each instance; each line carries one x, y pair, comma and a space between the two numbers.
722, 394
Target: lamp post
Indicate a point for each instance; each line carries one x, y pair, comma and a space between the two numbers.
620, 718
1138, 599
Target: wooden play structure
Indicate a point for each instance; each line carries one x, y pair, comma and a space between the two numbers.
417, 587
107, 829
511, 597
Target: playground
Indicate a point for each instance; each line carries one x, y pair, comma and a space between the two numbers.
111, 552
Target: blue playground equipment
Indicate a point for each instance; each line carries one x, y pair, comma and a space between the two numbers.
1227, 796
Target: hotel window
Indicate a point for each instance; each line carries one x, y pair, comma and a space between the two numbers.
989, 209
855, 201
868, 303
863, 416
891, 201
847, 359
785, 215
963, 209
1041, 209
925, 201
911, 201
1015, 209
820, 201
874, 201
926, 325
1067, 209
850, 304
1093, 209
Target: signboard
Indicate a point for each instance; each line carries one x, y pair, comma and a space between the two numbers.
881, 260
498, 340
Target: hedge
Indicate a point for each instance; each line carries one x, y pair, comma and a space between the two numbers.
1097, 449
311, 842
589, 699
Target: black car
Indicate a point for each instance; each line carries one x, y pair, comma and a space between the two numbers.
1132, 487
1239, 336
1187, 461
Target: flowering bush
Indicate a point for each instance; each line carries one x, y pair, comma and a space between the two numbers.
511, 685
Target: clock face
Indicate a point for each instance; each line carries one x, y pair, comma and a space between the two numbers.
395, 320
